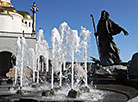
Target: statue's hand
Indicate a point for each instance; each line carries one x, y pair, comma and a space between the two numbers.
125, 32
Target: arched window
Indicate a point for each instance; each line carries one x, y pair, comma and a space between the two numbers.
29, 24
26, 22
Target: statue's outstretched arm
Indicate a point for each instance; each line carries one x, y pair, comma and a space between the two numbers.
118, 28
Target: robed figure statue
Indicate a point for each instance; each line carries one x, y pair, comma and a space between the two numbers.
108, 51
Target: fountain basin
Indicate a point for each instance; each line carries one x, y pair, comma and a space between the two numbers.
60, 96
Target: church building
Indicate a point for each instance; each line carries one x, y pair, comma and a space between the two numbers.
14, 24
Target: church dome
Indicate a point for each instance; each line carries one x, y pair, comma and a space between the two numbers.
3, 11
25, 14
7, 10
6, 7
5, 3
10, 9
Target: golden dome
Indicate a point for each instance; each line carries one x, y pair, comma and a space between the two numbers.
7, 10
2, 11
4, 3
25, 14
10, 9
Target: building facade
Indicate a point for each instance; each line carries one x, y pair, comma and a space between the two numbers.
13, 24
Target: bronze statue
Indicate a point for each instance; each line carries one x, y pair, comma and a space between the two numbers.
108, 51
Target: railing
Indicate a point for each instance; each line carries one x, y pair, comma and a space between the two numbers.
17, 34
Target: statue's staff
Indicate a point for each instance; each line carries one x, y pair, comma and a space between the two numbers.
95, 33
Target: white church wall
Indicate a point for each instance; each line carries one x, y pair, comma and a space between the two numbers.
9, 44
5, 23
17, 22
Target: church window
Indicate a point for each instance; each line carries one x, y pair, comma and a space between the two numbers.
26, 22
29, 24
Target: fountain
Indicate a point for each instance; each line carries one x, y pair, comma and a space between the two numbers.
61, 81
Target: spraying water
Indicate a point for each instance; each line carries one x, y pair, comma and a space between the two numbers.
23, 45
18, 57
39, 50
45, 52
74, 45
55, 38
65, 43
86, 34
33, 58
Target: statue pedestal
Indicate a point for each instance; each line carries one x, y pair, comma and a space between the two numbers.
133, 67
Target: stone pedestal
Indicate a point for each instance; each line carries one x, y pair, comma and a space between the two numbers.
133, 67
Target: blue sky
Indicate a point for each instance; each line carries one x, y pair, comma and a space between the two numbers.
77, 13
